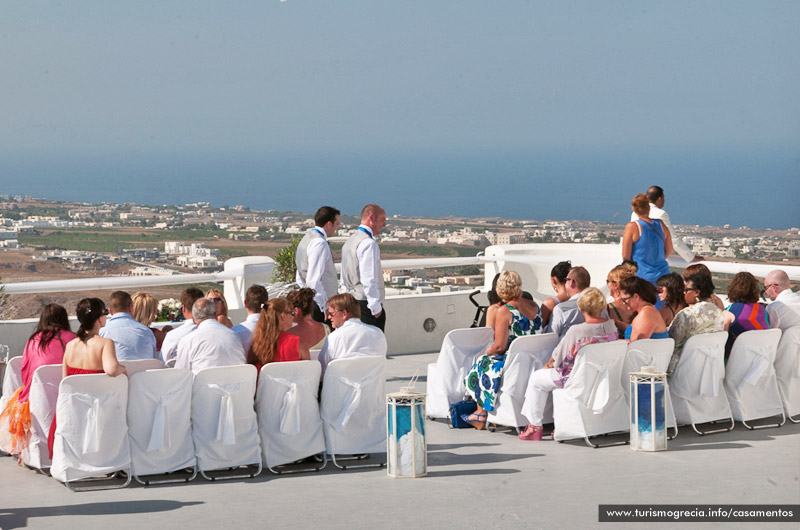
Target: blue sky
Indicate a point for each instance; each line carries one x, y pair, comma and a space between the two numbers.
105, 79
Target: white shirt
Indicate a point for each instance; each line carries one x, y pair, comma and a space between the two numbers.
212, 344
245, 330
353, 339
677, 243
784, 312
319, 253
169, 348
369, 256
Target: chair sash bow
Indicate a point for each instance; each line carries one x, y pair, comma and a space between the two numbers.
226, 427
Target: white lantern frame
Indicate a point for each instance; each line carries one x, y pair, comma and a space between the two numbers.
397, 450
655, 438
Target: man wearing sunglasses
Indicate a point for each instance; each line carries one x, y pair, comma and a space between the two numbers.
350, 337
784, 311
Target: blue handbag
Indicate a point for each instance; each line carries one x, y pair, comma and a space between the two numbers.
466, 406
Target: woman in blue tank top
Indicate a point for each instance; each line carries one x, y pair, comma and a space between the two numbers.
647, 242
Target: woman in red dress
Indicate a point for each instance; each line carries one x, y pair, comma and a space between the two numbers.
271, 343
89, 353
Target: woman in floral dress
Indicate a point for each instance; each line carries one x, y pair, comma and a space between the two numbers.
513, 319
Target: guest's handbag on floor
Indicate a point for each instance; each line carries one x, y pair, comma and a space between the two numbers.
466, 406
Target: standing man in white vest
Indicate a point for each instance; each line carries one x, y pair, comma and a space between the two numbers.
314, 260
362, 274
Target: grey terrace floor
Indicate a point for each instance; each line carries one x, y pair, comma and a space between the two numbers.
476, 480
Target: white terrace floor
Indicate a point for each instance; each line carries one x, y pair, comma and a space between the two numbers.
476, 480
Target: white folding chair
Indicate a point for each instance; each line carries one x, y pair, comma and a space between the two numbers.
138, 365
592, 401
91, 438
525, 355
160, 425
224, 426
42, 400
288, 414
446, 376
353, 408
787, 370
12, 380
655, 353
750, 381
696, 385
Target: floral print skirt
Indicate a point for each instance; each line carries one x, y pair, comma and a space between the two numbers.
483, 379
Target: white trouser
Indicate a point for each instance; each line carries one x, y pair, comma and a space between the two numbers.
539, 387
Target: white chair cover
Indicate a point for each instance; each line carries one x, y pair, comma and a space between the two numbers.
91, 436
787, 369
353, 406
649, 352
289, 423
224, 426
593, 401
42, 399
525, 355
750, 381
696, 384
12, 379
160, 421
138, 365
446, 375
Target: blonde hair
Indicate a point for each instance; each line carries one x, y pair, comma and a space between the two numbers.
144, 308
509, 286
216, 293
592, 302
620, 272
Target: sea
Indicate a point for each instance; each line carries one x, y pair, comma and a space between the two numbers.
713, 187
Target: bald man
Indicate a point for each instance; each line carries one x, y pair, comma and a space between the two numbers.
784, 311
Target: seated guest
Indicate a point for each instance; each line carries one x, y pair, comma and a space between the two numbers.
670, 291
310, 332
699, 268
744, 313
513, 319
132, 340
350, 336
558, 279
646, 241
211, 344
595, 328
145, 311
494, 303
89, 353
701, 315
45, 346
784, 310
640, 296
567, 313
169, 348
271, 342
618, 311
222, 306
254, 300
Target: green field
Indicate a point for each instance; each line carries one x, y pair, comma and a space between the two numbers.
108, 240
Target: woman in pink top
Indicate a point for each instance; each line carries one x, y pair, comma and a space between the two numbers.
45, 346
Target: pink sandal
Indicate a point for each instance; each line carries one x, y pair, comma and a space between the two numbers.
532, 433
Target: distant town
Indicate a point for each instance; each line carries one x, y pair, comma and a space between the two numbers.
170, 239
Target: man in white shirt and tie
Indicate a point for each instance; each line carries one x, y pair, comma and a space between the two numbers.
362, 273
314, 260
